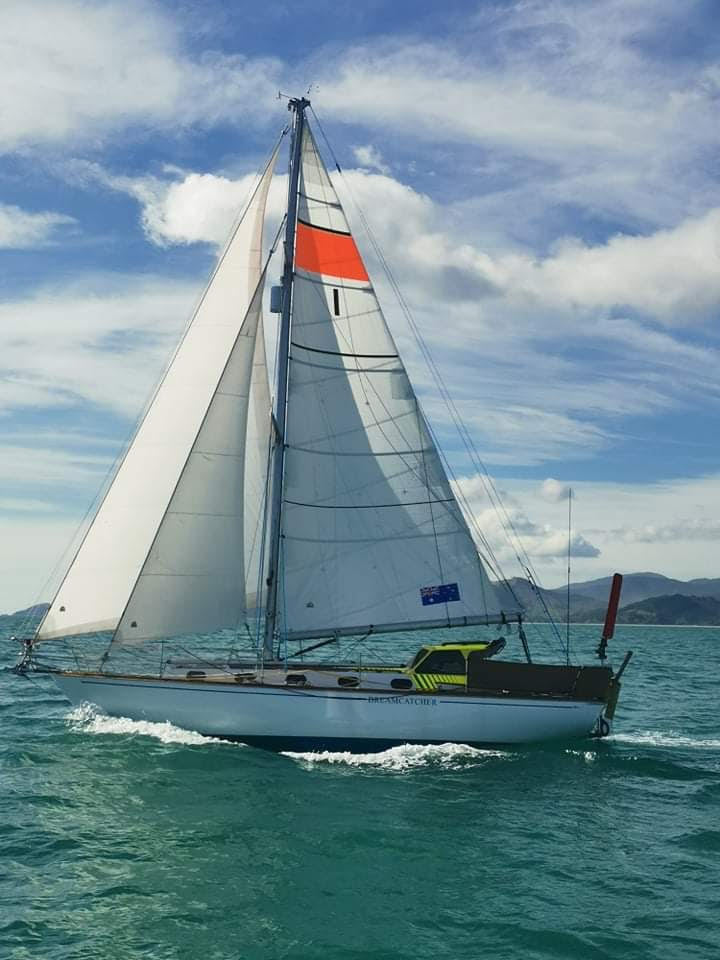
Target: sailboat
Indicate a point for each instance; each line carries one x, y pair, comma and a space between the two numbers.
326, 516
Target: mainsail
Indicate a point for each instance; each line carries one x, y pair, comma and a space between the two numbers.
117, 546
372, 536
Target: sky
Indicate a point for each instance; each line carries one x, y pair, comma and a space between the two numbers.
542, 178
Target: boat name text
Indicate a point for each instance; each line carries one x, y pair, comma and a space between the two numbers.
415, 701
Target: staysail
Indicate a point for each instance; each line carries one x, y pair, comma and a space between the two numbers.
102, 576
372, 536
193, 579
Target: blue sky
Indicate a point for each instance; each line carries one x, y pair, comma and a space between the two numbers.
542, 177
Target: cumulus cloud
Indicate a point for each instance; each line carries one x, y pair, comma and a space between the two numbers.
672, 274
498, 319
555, 107
370, 158
505, 526
621, 520
20, 229
554, 491
185, 207
555, 544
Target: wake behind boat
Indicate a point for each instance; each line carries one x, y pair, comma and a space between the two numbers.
326, 518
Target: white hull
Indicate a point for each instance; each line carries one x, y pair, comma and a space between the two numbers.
305, 718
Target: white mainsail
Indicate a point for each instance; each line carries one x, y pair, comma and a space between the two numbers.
102, 576
372, 536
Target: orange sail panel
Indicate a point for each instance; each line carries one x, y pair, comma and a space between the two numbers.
328, 252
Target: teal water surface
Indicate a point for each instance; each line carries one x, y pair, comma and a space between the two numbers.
131, 840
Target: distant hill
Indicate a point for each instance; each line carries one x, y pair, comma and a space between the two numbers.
29, 613
642, 586
646, 598
677, 609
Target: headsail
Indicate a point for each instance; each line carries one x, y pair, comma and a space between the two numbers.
193, 580
257, 450
99, 582
372, 535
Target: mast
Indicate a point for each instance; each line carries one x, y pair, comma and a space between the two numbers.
298, 105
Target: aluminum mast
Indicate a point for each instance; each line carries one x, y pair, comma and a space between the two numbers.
298, 105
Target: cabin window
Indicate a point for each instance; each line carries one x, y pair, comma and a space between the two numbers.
443, 661
417, 658
336, 302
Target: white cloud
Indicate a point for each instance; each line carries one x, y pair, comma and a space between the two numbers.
186, 207
672, 274
615, 525
503, 527
73, 70
51, 469
621, 520
565, 110
370, 158
689, 529
565, 96
525, 397
101, 341
554, 491
555, 544
20, 229
564, 86
432, 91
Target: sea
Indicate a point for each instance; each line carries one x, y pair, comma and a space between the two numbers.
122, 839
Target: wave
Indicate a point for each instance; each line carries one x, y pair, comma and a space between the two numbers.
655, 738
88, 719
405, 757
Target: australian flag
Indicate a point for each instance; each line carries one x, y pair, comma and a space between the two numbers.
442, 594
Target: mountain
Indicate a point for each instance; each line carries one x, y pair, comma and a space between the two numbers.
642, 600
30, 613
640, 586
676, 609
646, 598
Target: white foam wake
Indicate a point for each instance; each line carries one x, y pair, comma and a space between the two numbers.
656, 738
406, 757
88, 719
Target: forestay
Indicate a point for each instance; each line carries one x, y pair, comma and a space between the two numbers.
99, 582
371, 533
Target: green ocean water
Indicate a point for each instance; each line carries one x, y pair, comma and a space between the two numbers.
133, 840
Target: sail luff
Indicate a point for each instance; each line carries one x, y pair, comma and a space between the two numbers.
101, 575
